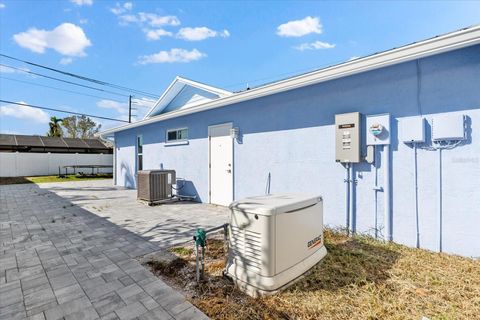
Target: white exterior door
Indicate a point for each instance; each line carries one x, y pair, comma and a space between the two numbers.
221, 166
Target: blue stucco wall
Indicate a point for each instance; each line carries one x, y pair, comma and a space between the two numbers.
291, 136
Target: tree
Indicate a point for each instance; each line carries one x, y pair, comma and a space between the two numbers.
70, 125
55, 128
80, 127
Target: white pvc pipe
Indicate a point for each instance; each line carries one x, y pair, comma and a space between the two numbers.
347, 197
415, 182
351, 200
440, 202
387, 193
376, 189
114, 170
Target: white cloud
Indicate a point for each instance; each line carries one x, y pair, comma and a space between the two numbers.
150, 23
298, 28
67, 39
155, 34
200, 33
119, 9
145, 102
83, 21
2, 5
155, 20
9, 131
151, 19
82, 2
110, 104
172, 56
66, 61
24, 113
5, 69
315, 46
127, 18
143, 105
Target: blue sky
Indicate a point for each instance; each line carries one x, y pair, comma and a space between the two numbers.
145, 44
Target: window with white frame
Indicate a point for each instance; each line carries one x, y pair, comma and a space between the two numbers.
177, 135
139, 153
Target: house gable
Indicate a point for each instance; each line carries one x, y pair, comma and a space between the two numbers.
183, 93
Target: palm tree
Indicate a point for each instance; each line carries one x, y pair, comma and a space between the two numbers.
55, 128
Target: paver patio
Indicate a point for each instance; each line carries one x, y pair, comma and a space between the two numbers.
68, 251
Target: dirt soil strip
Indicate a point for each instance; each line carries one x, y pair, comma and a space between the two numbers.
360, 278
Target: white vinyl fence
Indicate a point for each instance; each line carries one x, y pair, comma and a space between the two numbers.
17, 164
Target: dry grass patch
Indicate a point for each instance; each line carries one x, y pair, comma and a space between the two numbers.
360, 278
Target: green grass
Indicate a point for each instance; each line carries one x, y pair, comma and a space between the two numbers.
182, 251
46, 179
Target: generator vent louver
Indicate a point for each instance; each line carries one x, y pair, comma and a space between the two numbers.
247, 245
155, 185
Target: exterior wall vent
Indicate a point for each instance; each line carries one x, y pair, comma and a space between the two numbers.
273, 240
155, 185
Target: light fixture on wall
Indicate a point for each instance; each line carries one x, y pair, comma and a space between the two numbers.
234, 133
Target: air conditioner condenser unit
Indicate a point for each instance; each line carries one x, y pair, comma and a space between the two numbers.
155, 185
273, 240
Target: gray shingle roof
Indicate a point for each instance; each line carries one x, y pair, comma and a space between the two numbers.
11, 140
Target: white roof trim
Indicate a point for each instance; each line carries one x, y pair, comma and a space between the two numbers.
204, 86
183, 81
448, 42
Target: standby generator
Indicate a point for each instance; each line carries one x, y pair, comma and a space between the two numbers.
273, 240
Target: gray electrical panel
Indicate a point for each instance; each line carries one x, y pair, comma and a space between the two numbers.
347, 137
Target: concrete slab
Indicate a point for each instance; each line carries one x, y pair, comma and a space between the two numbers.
163, 225
67, 250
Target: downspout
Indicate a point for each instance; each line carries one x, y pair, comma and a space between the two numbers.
387, 193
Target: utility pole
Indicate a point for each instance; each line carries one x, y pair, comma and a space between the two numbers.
130, 109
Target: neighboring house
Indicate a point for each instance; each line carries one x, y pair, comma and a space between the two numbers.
281, 137
22, 155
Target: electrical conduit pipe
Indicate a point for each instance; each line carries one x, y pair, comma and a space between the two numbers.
351, 200
387, 193
415, 182
347, 197
440, 202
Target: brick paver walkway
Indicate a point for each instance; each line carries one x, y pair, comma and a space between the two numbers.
58, 260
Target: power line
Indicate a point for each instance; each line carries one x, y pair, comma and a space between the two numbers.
61, 80
277, 76
79, 93
60, 89
83, 78
64, 111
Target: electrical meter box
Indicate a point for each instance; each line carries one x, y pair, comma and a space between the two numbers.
378, 129
347, 137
